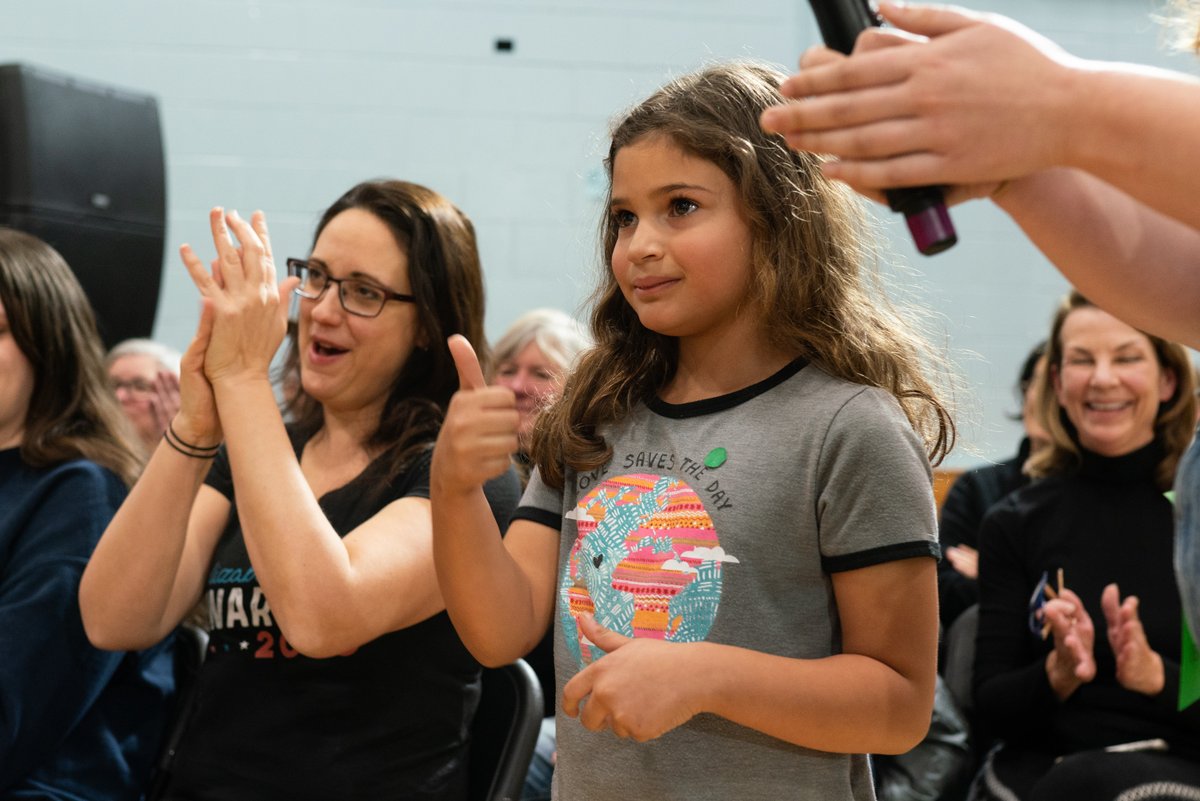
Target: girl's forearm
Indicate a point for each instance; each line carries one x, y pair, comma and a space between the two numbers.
489, 596
847, 703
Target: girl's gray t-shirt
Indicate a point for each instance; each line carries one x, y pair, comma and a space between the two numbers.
722, 520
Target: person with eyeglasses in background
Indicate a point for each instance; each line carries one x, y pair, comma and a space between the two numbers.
332, 669
144, 375
533, 358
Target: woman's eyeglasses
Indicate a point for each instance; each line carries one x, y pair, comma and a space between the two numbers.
358, 297
138, 386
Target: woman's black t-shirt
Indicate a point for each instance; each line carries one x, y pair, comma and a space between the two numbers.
387, 721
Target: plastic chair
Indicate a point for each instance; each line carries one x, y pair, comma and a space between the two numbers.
959, 668
504, 732
959, 671
191, 646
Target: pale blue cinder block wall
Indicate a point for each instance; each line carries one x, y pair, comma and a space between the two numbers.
281, 105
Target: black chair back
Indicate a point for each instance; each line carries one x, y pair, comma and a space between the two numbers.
191, 646
504, 732
959, 667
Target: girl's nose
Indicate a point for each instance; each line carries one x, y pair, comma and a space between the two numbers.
645, 242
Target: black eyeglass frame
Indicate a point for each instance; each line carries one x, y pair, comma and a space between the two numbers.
294, 266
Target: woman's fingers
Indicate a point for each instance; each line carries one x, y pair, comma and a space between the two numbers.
817, 55
881, 38
227, 251
164, 403
243, 255
258, 222
911, 169
253, 260
823, 73
928, 21
208, 283
215, 266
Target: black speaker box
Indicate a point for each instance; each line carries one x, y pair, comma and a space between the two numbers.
81, 167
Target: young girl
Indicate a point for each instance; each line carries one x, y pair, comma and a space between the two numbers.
732, 503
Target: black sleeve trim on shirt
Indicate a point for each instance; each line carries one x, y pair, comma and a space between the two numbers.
532, 513
877, 556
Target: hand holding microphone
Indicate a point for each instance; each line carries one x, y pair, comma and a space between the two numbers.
923, 207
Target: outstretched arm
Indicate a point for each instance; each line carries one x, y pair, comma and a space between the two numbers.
970, 100
1139, 264
968, 97
499, 593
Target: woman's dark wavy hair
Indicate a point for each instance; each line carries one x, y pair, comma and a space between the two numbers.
446, 278
1173, 425
72, 412
808, 283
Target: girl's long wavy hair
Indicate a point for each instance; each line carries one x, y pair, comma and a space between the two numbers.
1182, 22
1173, 426
809, 282
72, 412
446, 278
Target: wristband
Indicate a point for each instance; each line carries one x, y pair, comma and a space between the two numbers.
186, 448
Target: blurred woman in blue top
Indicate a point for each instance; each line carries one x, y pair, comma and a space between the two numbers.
75, 722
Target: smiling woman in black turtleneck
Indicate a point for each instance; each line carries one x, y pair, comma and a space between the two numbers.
1119, 406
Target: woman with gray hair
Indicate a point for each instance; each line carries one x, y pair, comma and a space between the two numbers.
532, 359
144, 375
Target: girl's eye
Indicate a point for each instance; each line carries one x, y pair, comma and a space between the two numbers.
681, 206
621, 218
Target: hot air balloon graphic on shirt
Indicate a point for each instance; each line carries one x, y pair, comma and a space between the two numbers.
646, 563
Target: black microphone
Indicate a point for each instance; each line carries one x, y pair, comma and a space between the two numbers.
923, 207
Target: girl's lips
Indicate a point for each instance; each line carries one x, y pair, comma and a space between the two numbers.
649, 286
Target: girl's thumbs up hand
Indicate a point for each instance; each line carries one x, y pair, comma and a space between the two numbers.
479, 434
